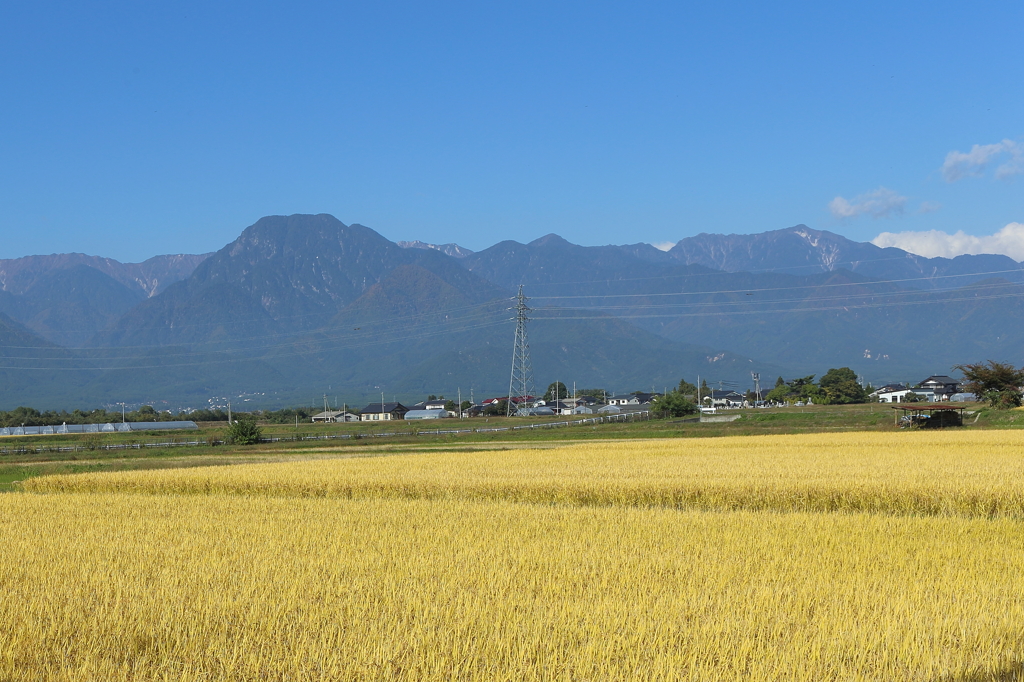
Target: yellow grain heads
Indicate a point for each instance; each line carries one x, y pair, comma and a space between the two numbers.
712, 559
109, 587
951, 473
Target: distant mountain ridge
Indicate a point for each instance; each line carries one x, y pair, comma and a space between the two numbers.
453, 250
150, 276
800, 250
68, 298
283, 273
304, 300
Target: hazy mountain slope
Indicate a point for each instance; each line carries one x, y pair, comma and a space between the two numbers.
283, 274
413, 332
150, 277
800, 250
594, 353
882, 331
69, 298
828, 318
301, 303
552, 261
34, 371
159, 272
69, 305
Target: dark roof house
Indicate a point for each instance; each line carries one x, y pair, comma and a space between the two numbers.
382, 411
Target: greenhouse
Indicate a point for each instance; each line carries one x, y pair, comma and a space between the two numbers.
95, 428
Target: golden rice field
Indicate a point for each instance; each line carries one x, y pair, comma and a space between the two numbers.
949, 473
597, 562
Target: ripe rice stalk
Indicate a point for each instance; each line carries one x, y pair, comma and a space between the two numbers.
241, 587
970, 474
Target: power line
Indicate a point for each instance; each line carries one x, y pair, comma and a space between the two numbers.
764, 289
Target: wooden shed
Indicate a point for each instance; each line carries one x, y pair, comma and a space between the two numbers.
909, 415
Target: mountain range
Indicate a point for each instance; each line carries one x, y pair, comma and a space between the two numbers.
302, 305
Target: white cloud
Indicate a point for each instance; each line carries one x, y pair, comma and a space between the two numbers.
880, 203
959, 165
1008, 241
663, 246
929, 207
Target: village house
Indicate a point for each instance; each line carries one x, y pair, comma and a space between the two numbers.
938, 388
382, 411
725, 399
632, 399
335, 416
891, 393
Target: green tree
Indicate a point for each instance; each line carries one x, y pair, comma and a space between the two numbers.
450, 406
556, 388
592, 392
146, 413
686, 388
804, 388
779, 382
466, 405
997, 382
244, 431
675, 404
779, 394
841, 388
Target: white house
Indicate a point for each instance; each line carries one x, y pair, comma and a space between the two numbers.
335, 416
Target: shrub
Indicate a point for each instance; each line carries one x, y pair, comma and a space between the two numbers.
244, 431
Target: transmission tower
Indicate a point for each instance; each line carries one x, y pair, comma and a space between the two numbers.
520, 384
757, 385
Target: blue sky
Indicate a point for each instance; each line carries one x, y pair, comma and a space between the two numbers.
134, 129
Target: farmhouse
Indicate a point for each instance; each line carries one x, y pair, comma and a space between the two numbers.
632, 399
429, 405
726, 399
561, 406
938, 388
335, 416
891, 393
382, 411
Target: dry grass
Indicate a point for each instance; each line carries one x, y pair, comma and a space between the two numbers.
116, 587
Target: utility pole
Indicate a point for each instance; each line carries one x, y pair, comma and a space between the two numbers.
382, 405
229, 413
325, 407
460, 402
520, 383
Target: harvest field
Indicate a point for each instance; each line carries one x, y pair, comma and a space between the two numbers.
812, 557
